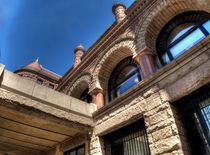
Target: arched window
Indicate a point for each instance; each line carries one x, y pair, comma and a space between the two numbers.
85, 96
181, 33
124, 76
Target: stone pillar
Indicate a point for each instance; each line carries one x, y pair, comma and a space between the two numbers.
98, 97
146, 59
96, 145
119, 10
58, 150
78, 53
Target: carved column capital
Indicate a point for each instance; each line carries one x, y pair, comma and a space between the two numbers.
98, 96
146, 60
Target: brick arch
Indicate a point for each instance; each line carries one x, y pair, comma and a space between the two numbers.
109, 60
79, 85
161, 13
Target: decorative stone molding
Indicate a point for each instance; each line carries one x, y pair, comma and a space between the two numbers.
161, 12
109, 60
78, 84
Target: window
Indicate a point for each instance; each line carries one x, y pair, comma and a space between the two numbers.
86, 97
125, 76
77, 151
39, 81
195, 111
131, 140
181, 33
51, 86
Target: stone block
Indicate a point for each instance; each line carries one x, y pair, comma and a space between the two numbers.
17, 83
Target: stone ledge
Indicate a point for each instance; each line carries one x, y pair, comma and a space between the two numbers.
30, 89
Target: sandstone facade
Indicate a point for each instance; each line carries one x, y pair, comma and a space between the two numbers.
153, 99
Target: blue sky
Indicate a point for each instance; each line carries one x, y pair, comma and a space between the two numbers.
50, 30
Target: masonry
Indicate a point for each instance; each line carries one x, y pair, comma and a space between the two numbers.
126, 94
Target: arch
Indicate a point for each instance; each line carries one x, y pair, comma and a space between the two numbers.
109, 60
80, 85
161, 13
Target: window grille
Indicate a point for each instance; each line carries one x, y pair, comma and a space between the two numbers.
131, 140
195, 109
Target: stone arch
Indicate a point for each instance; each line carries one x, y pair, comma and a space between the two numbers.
161, 13
109, 60
79, 85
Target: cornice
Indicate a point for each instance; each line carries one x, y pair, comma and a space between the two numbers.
111, 34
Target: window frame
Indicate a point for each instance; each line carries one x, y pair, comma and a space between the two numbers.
39, 81
51, 86
197, 18
75, 149
113, 84
182, 37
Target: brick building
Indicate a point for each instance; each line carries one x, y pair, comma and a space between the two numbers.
142, 88
37, 73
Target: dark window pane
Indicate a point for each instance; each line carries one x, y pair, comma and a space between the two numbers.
39, 81
81, 151
85, 96
73, 153
76, 151
51, 86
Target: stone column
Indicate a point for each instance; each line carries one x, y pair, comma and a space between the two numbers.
146, 59
96, 145
98, 97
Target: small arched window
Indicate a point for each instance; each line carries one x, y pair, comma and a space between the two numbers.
181, 33
85, 96
124, 76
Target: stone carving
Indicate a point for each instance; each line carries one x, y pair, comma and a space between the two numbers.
153, 20
128, 44
82, 79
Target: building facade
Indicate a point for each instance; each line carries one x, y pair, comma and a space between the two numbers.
143, 88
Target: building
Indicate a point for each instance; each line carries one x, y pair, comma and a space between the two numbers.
36, 72
142, 88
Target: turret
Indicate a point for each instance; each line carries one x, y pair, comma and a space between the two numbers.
79, 51
119, 11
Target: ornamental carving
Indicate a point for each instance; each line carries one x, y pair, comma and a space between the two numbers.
127, 45
77, 83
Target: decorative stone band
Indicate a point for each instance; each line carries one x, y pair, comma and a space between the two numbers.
146, 60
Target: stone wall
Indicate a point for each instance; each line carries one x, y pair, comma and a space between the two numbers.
152, 100
34, 77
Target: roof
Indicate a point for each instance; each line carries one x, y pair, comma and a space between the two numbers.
36, 66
